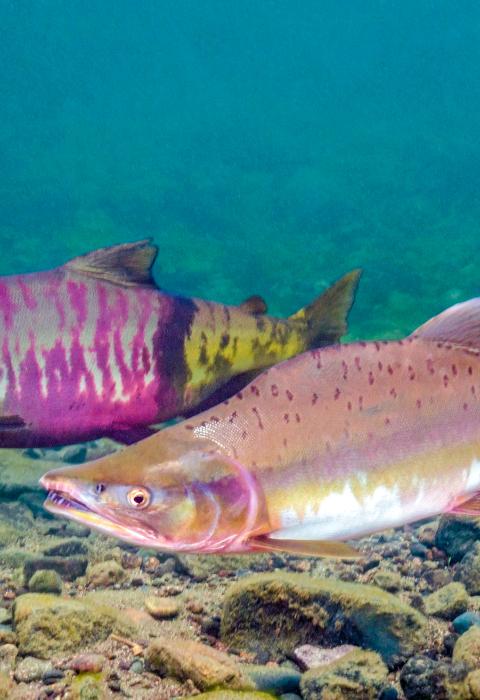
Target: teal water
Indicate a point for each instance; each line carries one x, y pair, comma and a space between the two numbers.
267, 146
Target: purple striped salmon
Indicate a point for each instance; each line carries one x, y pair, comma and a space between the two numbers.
331, 445
94, 348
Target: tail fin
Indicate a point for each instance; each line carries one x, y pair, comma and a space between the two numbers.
326, 317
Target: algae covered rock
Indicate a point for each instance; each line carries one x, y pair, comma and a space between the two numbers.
468, 571
45, 581
205, 666
448, 602
359, 675
421, 677
47, 624
104, 574
274, 613
457, 534
467, 648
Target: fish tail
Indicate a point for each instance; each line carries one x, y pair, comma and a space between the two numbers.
326, 317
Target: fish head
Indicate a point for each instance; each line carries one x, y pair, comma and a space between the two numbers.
190, 499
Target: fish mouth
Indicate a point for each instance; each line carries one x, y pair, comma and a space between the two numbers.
58, 501
62, 500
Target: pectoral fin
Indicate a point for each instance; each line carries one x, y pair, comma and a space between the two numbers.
470, 507
309, 548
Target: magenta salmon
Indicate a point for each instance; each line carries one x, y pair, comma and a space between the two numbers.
334, 444
95, 348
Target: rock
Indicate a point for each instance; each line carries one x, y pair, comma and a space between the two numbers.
67, 548
5, 615
87, 686
201, 567
423, 678
274, 613
14, 557
31, 669
206, 667
8, 655
308, 656
87, 663
69, 568
358, 675
52, 675
468, 571
45, 581
427, 533
463, 622
47, 625
162, 608
7, 635
471, 687
417, 549
388, 580
105, 574
447, 602
7, 687
467, 648
389, 693
273, 679
456, 535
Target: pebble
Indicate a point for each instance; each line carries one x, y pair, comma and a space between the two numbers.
8, 655
464, 621
45, 581
194, 606
87, 663
390, 693
31, 669
51, 676
419, 550
137, 666
151, 565
161, 608
105, 574
309, 656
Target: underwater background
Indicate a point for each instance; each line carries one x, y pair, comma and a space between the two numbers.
267, 146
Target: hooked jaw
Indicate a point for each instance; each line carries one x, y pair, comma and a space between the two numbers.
65, 499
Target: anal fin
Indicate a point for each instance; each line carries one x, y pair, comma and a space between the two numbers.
309, 548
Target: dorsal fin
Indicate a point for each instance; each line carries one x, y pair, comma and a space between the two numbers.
127, 264
460, 325
255, 305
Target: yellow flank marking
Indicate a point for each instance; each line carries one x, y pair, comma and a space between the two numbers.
220, 347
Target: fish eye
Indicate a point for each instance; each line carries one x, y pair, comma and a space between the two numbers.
100, 488
139, 497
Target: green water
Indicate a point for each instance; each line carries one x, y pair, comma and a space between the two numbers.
266, 146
